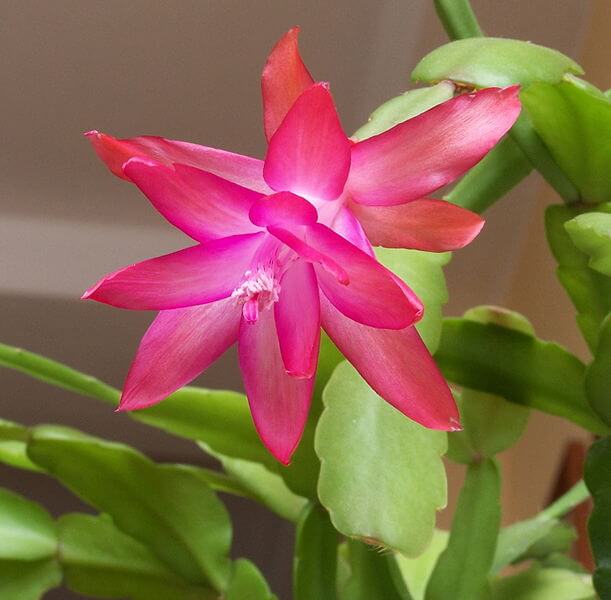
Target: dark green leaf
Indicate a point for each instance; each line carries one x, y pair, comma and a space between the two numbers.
382, 478
591, 233
28, 580
315, 563
247, 583
101, 561
598, 375
167, 508
517, 367
486, 62
461, 573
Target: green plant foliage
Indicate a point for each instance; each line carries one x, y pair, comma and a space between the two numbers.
404, 107
13, 439
28, 580
382, 479
315, 563
518, 367
591, 233
589, 290
101, 561
598, 375
458, 19
461, 572
167, 508
597, 469
247, 583
574, 121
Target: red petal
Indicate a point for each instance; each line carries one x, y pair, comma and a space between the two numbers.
282, 208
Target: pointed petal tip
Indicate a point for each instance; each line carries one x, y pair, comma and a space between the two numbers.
92, 133
455, 425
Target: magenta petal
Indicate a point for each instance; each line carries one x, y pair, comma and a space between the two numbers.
398, 367
201, 204
309, 154
374, 296
283, 80
278, 402
432, 225
178, 346
298, 320
282, 208
348, 226
425, 153
196, 275
115, 152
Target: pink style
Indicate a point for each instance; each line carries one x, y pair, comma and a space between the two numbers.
284, 247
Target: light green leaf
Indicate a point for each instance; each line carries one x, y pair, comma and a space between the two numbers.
404, 107
461, 573
486, 62
423, 272
14, 454
381, 478
598, 374
27, 532
101, 561
544, 584
28, 580
247, 583
417, 571
591, 233
575, 124
315, 563
517, 367
167, 508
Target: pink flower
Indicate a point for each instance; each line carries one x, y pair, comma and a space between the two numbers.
283, 247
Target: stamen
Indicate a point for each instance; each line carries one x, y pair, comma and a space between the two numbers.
258, 291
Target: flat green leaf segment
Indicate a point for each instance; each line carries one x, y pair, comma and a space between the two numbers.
574, 120
462, 570
589, 290
488, 62
591, 233
247, 583
28, 580
315, 563
404, 107
518, 367
382, 479
598, 375
598, 480
458, 18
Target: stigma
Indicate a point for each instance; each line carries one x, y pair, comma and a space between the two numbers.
258, 291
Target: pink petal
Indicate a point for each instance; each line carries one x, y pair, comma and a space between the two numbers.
425, 153
397, 365
432, 225
196, 275
282, 208
201, 204
278, 402
178, 346
115, 152
309, 154
348, 226
373, 296
298, 320
283, 80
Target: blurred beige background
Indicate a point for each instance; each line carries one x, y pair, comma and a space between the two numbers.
190, 70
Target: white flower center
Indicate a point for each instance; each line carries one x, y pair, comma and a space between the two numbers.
258, 291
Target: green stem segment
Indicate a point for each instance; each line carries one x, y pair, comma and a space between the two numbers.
567, 502
458, 19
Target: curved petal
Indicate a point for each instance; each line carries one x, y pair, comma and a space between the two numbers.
431, 225
297, 314
115, 152
283, 80
201, 204
278, 402
195, 275
178, 346
398, 367
309, 154
282, 208
373, 296
425, 153
348, 226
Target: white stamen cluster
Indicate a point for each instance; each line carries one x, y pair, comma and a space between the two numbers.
260, 285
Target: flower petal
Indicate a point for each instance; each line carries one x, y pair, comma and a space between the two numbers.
201, 204
297, 315
196, 275
397, 365
425, 153
431, 225
283, 80
348, 226
178, 346
309, 154
282, 208
115, 152
278, 402
373, 296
